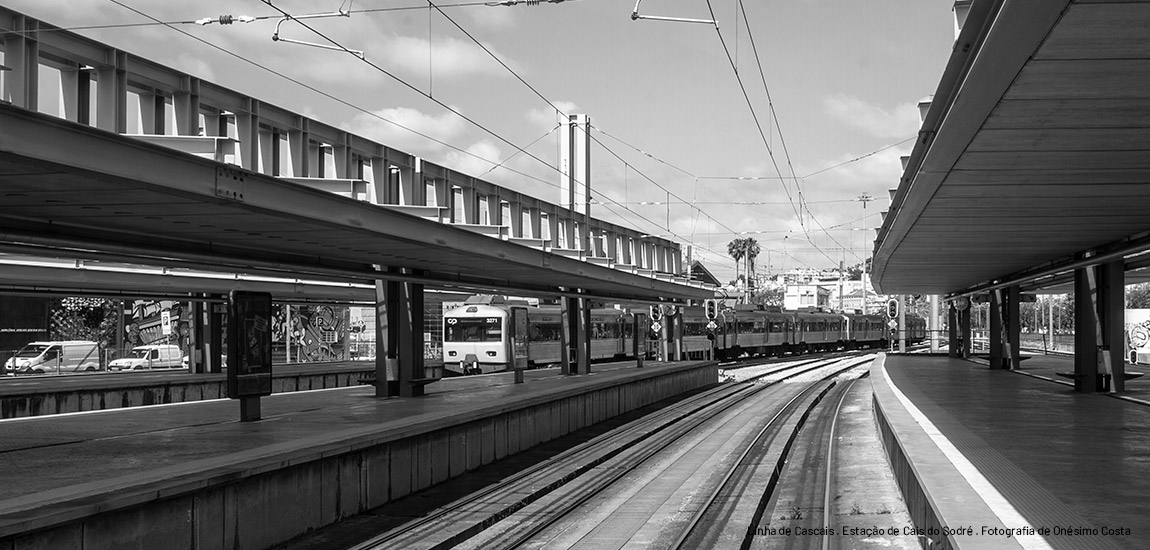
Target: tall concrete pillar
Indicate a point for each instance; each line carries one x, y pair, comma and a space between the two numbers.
964, 330
639, 338
1013, 327
584, 335
197, 354
1112, 311
953, 348
216, 325
994, 334
399, 338
386, 338
1099, 331
1085, 334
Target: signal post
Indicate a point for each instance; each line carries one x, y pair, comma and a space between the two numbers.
711, 310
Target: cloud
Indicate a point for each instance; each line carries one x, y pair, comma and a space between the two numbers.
450, 58
446, 127
195, 66
468, 164
545, 119
493, 18
902, 121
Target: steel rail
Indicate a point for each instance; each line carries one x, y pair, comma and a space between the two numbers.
737, 394
701, 512
827, 506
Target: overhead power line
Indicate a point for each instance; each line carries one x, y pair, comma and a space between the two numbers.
327, 94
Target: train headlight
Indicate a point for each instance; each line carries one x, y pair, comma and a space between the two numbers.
451, 354
491, 354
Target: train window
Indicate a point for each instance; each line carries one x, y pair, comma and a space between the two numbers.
473, 330
546, 332
694, 329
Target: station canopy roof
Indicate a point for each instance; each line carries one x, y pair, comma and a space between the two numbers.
70, 190
1034, 155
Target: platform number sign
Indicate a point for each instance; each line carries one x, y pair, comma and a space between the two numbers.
711, 307
892, 308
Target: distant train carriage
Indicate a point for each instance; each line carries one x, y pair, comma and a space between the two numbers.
866, 331
817, 331
476, 338
915, 329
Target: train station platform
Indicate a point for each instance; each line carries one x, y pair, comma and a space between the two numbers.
22, 396
993, 459
191, 476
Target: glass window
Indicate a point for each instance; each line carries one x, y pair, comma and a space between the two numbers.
31, 351
488, 329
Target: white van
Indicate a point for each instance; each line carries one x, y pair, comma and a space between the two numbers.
155, 356
55, 358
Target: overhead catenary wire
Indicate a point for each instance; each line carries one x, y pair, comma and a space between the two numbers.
754, 113
375, 115
229, 19
560, 112
337, 44
331, 96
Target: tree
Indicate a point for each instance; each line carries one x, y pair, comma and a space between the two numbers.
1138, 296
737, 250
751, 249
770, 296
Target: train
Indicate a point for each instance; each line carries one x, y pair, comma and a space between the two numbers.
476, 336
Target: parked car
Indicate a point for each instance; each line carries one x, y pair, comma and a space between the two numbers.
55, 358
155, 356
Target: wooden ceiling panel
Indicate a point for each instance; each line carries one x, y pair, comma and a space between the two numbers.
1083, 79
1067, 160
1070, 113
1047, 177
1099, 31
1047, 139
1110, 190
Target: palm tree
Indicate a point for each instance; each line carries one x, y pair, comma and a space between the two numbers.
751, 249
737, 249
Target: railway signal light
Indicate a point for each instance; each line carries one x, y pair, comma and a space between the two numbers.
711, 307
892, 308
656, 313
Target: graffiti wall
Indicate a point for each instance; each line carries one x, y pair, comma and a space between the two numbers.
315, 333
1138, 336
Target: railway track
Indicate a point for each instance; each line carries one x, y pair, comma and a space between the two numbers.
547, 505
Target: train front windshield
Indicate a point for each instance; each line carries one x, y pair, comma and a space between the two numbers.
472, 330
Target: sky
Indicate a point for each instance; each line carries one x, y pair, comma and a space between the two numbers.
673, 123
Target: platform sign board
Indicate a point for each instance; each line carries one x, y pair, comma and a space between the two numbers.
519, 338
249, 344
